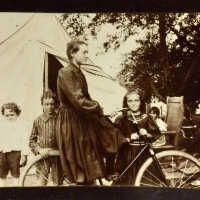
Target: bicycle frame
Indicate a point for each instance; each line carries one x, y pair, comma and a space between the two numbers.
151, 151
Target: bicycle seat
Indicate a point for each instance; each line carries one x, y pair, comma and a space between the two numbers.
137, 143
141, 141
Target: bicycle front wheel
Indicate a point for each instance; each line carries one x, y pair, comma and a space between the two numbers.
180, 170
37, 172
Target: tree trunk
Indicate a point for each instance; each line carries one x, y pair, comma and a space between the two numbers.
155, 91
164, 63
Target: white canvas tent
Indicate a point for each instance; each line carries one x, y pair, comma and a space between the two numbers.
22, 61
22, 64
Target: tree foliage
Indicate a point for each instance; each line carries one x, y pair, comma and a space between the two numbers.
166, 60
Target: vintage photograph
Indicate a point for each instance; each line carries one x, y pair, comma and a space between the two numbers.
100, 99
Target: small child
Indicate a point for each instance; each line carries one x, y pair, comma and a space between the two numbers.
155, 113
43, 138
12, 142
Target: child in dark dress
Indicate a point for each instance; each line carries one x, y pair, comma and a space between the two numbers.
145, 126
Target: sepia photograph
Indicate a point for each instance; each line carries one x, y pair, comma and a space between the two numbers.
100, 99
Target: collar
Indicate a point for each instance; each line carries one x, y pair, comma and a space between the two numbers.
138, 117
75, 65
46, 117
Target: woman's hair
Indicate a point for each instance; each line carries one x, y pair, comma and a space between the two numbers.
155, 110
141, 95
11, 106
73, 47
47, 95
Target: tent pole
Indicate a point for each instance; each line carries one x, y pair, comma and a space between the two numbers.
46, 71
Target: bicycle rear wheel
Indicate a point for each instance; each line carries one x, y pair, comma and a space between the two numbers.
37, 169
180, 170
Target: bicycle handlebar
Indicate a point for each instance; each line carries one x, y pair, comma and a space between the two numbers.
117, 111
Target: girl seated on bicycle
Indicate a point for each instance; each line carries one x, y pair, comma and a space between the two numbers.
133, 123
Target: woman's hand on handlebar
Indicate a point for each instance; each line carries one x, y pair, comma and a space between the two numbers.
134, 136
117, 112
114, 114
143, 132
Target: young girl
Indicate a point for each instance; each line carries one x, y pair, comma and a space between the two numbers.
155, 113
13, 147
145, 126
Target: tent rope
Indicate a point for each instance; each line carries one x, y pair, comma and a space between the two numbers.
21, 27
97, 72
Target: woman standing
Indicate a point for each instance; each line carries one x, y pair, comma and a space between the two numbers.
145, 126
85, 136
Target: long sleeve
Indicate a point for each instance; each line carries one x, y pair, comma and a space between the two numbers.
125, 126
33, 139
118, 122
72, 88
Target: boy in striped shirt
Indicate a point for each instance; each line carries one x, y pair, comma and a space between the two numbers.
43, 138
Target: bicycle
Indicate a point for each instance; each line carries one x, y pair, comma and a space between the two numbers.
167, 168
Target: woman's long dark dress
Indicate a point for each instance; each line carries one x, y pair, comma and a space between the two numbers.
84, 134
127, 153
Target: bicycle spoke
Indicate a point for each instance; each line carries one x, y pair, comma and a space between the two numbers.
178, 182
38, 172
190, 177
183, 174
151, 181
41, 172
179, 169
156, 178
172, 165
